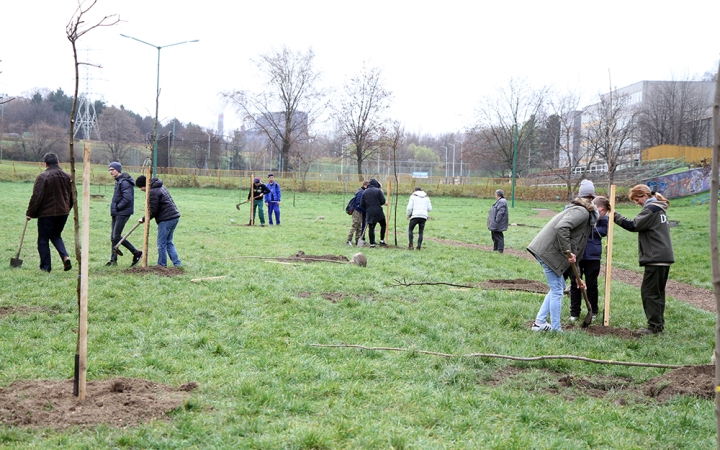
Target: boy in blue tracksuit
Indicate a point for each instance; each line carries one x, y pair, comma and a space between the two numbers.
272, 199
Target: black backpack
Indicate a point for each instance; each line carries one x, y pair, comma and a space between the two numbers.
350, 208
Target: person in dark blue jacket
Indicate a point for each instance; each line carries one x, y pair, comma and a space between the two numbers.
589, 265
358, 216
121, 208
272, 199
167, 216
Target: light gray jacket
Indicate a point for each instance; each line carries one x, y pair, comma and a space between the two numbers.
569, 230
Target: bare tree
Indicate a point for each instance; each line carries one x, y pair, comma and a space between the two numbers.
675, 112
290, 102
608, 130
44, 138
395, 141
360, 112
119, 133
561, 151
305, 154
513, 110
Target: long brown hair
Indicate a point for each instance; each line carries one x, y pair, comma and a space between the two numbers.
642, 189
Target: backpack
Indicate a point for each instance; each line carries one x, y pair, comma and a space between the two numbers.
350, 208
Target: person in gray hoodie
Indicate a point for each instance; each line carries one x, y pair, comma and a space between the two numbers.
567, 231
498, 221
655, 252
417, 211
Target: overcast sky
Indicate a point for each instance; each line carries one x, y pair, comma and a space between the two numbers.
439, 58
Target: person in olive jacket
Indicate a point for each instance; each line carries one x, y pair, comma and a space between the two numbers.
50, 204
498, 221
163, 209
567, 231
655, 252
121, 208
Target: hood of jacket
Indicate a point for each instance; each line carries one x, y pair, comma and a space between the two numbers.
374, 183
421, 194
156, 183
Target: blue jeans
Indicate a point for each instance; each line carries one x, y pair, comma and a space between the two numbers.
552, 304
165, 245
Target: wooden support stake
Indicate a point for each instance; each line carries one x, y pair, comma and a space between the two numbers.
146, 235
608, 259
252, 199
84, 271
195, 280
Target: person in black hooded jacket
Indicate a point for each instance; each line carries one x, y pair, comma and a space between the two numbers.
167, 216
373, 200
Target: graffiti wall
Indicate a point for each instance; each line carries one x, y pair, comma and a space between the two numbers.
681, 184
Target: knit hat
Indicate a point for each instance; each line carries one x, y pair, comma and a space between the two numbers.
115, 165
270, 175
418, 188
587, 189
140, 181
257, 180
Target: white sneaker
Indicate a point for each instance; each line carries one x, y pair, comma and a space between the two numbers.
540, 327
594, 316
573, 318
348, 243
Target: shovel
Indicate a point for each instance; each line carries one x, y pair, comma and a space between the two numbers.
238, 205
588, 317
116, 249
16, 261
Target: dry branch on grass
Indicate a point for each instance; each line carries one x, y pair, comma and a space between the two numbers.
406, 283
493, 355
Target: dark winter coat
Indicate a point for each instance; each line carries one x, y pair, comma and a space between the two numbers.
358, 199
52, 194
651, 224
498, 216
372, 202
568, 230
123, 201
259, 191
593, 249
162, 206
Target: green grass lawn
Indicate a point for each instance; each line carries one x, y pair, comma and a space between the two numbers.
246, 339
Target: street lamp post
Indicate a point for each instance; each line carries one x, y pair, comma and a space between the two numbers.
446, 164
157, 95
453, 164
514, 169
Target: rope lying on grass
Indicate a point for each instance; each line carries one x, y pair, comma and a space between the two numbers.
493, 355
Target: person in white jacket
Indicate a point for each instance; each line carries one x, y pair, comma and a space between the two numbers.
417, 211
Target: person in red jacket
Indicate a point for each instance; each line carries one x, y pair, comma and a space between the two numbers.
50, 204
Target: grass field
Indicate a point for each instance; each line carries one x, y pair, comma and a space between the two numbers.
246, 339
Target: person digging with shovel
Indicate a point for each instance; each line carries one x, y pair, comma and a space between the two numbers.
567, 231
121, 208
167, 216
50, 204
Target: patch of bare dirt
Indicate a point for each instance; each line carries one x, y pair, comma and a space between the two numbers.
23, 310
698, 297
600, 330
518, 284
119, 402
696, 381
545, 213
157, 270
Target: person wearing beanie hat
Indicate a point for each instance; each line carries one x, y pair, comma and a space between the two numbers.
587, 189
497, 221
259, 190
121, 208
166, 215
272, 200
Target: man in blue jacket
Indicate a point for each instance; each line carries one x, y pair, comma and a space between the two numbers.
166, 215
121, 208
272, 199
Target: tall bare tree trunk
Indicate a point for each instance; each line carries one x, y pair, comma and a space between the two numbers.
714, 187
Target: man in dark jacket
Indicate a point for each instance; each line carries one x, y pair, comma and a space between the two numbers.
167, 216
258, 192
372, 202
121, 208
50, 204
358, 216
498, 221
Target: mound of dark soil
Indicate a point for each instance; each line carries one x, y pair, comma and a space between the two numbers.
157, 270
117, 403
